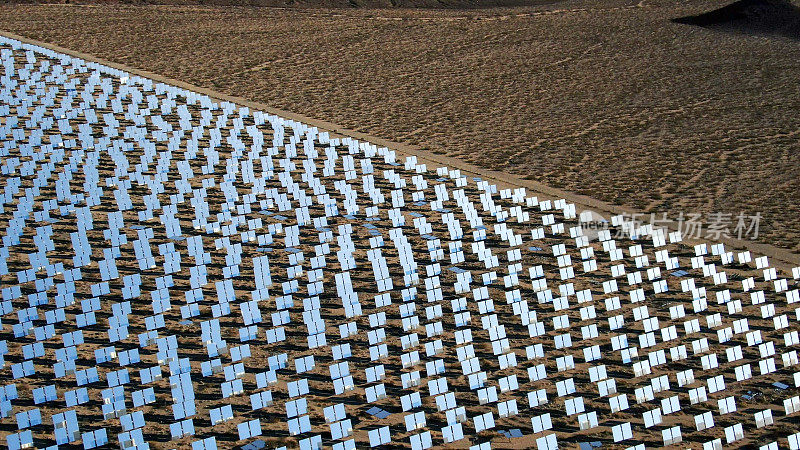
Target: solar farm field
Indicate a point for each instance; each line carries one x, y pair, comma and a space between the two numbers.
606, 98
180, 272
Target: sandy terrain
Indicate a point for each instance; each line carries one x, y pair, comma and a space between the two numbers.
609, 99
311, 4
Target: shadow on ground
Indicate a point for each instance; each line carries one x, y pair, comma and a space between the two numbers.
773, 17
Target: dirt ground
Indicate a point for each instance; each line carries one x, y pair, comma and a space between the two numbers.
608, 99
